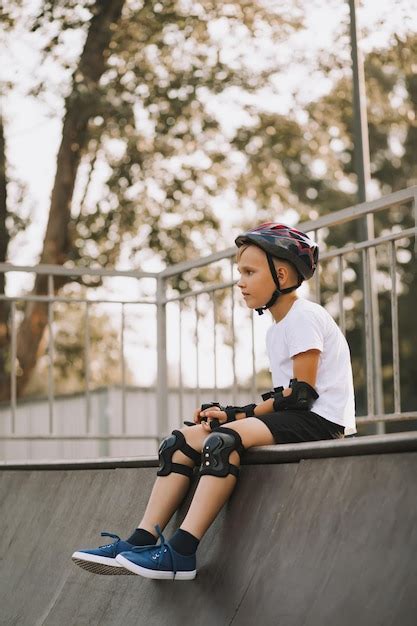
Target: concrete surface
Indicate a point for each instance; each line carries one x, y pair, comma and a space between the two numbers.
305, 543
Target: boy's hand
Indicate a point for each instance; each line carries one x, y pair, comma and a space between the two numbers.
204, 417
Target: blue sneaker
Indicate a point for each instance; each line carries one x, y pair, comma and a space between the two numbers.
159, 562
102, 560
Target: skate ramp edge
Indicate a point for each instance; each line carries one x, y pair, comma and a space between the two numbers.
314, 534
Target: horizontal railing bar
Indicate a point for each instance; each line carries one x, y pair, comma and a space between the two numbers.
184, 266
363, 245
359, 210
191, 293
354, 247
391, 417
60, 270
333, 219
31, 298
89, 436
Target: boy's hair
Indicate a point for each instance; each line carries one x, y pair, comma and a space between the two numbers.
290, 266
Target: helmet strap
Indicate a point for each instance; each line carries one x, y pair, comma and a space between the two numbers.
278, 291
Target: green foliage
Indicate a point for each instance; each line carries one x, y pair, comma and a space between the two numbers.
157, 160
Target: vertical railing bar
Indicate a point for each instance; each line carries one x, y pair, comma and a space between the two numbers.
317, 272
50, 356
415, 222
253, 386
122, 350
87, 367
376, 338
162, 370
13, 368
394, 327
213, 299
197, 355
341, 292
180, 381
368, 335
233, 335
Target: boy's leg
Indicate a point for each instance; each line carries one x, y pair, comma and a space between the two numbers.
213, 491
166, 496
177, 558
169, 491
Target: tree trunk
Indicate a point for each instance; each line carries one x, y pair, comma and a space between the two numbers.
80, 106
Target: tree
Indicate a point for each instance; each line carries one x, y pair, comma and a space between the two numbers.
155, 63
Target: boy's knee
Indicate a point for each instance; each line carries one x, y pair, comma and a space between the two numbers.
234, 458
177, 455
221, 450
194, 436
180, 457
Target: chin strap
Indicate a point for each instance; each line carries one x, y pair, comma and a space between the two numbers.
278, 291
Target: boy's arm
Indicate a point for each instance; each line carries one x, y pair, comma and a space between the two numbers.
305, 366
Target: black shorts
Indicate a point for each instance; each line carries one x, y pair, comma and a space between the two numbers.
292, 426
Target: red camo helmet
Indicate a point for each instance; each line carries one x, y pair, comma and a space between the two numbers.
284, 242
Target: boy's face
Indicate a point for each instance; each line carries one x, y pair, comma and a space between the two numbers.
256, 282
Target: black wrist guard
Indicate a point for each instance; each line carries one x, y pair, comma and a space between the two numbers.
302, 397
231, 411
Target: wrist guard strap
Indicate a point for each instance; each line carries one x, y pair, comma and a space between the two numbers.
270, 394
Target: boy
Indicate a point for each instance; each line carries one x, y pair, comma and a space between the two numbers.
306, 348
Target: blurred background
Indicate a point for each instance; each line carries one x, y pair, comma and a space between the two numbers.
137, 135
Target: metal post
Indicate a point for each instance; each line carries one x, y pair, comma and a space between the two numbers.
162, 371
233, 334
394, 325
13, 368
180, 382
123, 364
365, 226
213, 298
360, 119
51, 392
197, 353
87, 358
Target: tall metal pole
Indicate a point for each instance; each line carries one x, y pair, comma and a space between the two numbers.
365, 226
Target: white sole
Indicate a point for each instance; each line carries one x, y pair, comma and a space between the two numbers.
155, 574
99, 564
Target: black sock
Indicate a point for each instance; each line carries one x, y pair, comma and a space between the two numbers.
184, 542
142, 537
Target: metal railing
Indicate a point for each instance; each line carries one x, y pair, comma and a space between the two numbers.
163, 295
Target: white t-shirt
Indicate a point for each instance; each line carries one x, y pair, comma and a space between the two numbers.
308, 326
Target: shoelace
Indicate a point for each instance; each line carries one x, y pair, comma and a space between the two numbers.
113, 536
159, 551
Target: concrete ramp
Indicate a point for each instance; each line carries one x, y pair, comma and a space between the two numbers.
329, 537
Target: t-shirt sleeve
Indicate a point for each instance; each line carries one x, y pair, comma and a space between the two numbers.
306, 333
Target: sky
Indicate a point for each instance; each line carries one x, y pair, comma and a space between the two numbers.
33, 133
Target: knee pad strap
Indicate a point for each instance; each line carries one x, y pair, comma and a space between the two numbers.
176, 441
216, 451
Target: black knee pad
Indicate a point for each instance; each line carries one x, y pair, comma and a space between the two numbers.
168, 446
216, 451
